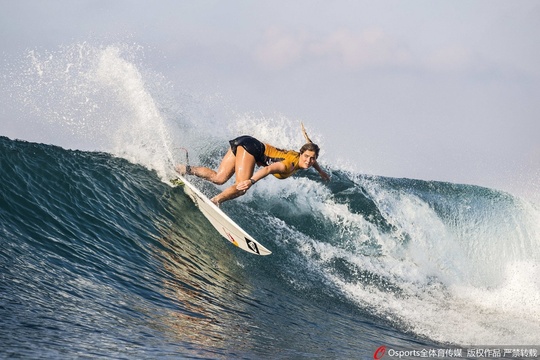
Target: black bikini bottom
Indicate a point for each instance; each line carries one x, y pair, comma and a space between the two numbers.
251, 145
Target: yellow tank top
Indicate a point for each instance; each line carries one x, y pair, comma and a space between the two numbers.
288, 157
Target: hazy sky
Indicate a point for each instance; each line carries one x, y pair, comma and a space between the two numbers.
436, 90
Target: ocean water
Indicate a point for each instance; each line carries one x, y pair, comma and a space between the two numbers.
101, 258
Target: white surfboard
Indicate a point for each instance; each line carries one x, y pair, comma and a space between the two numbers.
223, 224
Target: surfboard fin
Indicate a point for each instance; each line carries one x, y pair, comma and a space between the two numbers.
177, 182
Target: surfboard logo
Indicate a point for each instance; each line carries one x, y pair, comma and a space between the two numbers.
252, 246
231, 239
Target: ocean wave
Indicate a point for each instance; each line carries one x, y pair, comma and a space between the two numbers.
97, 247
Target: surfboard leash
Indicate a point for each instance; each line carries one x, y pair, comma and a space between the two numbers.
188, 167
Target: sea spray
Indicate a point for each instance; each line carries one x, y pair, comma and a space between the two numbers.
98, 98
141, 136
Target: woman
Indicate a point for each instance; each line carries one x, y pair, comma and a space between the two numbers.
244, 154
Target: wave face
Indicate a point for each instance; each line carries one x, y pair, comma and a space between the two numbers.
101, 257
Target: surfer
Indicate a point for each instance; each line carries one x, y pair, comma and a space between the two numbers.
245, 152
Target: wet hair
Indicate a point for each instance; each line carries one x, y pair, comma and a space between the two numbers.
311, 147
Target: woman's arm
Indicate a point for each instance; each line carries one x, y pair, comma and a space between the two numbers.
321, 172
263, 172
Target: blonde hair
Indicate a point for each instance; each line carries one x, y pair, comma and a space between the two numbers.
310, 145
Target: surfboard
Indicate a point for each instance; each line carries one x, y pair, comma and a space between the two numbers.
220, 221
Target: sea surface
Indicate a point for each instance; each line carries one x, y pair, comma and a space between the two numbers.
100, 257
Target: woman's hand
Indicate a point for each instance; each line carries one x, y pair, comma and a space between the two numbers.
321, 172
244, 185
324, 175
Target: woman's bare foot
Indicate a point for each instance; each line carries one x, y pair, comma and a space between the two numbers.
181, 169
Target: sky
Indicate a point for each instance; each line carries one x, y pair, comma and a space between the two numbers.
433, 90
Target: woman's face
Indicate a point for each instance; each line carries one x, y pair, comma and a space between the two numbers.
307, 159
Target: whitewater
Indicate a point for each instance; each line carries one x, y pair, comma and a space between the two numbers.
101, 257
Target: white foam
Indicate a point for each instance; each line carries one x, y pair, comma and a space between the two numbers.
443, 290
432, 277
